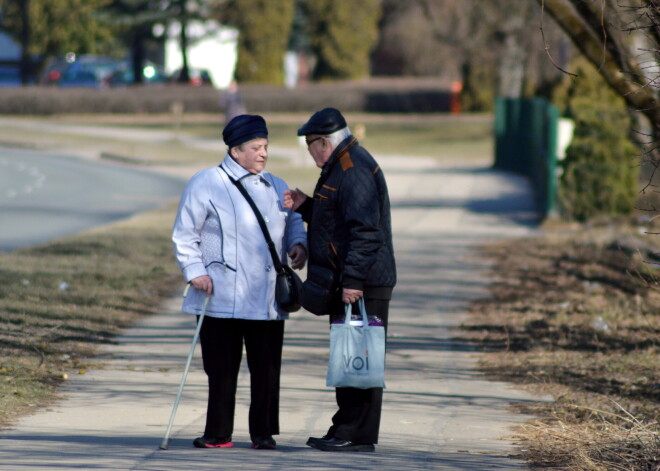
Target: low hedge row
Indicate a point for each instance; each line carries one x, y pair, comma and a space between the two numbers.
378, 96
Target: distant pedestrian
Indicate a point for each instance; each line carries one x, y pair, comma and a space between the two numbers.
350, 234
223, 253
231, 102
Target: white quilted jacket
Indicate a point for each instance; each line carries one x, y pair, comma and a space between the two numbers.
216, 233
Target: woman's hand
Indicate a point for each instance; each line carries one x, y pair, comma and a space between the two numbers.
203, 283
293, 199
298, 256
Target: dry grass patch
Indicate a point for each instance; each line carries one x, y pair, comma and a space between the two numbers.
576, 314
60, 301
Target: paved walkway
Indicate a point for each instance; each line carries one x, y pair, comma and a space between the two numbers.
438, 412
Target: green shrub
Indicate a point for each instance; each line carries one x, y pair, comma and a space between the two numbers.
477, 94
600, 171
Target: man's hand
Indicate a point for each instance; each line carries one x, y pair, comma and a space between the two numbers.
298, 256
203, 283
349, 296
293, 199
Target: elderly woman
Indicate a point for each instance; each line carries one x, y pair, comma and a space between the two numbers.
223, 254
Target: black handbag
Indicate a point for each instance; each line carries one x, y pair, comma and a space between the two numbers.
288, 285
321, 292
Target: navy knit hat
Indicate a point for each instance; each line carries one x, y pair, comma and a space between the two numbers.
324, 122
244, 128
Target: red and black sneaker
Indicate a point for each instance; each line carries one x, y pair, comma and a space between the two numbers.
212, 442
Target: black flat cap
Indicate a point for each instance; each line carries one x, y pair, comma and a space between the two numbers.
243, 128
325, 122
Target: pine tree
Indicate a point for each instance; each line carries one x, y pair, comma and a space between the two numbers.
264, 27
343, 33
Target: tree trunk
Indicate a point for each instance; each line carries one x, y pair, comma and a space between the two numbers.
26, 66
137, 62
511, 71
184, 76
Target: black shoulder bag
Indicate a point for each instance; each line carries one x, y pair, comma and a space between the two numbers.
288, 284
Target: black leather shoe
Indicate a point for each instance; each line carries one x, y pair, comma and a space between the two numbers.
311, 441
336, 444
263, 443
212, 442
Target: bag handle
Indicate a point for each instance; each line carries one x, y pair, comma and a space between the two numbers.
271, 246
363, 312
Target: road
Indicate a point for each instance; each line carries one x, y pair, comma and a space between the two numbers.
44, 196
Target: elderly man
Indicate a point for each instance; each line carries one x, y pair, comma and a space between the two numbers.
349, 232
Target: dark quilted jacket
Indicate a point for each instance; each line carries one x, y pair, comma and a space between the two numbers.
349, 222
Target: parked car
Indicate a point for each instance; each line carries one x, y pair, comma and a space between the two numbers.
89, 71
125, 76
10, 76
81, 71
53, 71
197, 77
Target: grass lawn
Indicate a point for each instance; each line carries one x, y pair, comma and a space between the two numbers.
439, 136
576, 314
59, 301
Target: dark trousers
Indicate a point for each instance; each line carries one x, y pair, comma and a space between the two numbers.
222, 349
358, 417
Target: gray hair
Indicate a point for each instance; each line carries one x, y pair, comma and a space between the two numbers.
336, 137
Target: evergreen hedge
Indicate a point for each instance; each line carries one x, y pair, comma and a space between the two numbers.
378, 96
601, 170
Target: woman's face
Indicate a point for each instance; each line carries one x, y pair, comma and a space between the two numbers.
252, 155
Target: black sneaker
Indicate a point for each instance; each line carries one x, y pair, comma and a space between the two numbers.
263, 443
212, 442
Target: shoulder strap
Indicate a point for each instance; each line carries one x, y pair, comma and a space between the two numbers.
271, 246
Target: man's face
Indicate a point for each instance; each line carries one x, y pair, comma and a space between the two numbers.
319, 149
252, 155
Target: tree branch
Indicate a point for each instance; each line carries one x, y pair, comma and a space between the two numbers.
617, 73
546, 46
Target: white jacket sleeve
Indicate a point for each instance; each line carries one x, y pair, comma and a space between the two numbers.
186, 234
295, 228
295, 231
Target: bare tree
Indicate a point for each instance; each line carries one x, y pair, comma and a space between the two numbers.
485, 45
623, 41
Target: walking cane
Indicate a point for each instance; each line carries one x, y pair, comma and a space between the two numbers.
165, 443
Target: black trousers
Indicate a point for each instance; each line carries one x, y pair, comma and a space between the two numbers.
222, 348
358, 417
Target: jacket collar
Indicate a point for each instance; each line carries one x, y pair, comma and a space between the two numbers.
237, 172
341, 149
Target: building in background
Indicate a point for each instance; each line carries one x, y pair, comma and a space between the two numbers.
212, 49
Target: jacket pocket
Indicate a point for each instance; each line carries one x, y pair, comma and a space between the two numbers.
224, 286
